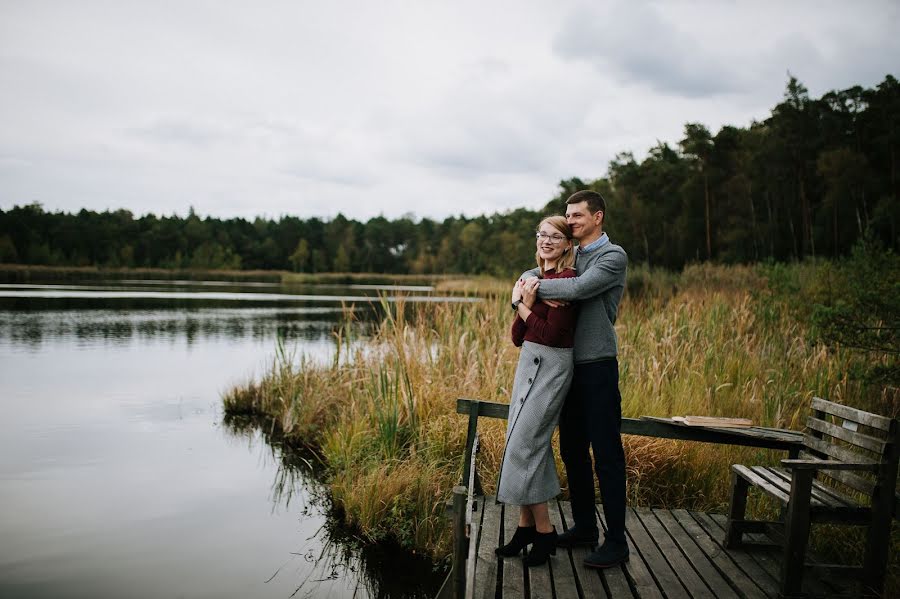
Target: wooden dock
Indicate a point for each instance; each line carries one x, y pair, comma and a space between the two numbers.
674, 554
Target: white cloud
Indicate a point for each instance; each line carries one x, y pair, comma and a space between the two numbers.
635, 42
244, 109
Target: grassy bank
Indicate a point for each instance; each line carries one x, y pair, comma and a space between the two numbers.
712, 341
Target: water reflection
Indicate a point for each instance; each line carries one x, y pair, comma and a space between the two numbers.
112, 402
334, 552
32, 328
228, 293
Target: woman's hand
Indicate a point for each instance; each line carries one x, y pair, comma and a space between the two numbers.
529, 290
517, 291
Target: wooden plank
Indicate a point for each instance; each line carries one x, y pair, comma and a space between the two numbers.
725, 574
877, 446
513, 568
842, 453
636, 569
472, 559
666, 429
486, 569
757, 563
460, 542
565, 572
854, 481
848, 413
592, 581
756, 432
665, 577
488, 409
650, 426
589, 580
827, 496
470, 475
820, 464
824, 507
699, 561
671, 551
539, 577
715, 421
781, 482
770, 561
760, 482
835, 451
866, 487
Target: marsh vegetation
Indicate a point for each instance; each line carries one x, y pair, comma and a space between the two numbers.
735, 341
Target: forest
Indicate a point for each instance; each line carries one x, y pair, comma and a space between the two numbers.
810, 180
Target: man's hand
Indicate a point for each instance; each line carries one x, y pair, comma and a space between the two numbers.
555, 303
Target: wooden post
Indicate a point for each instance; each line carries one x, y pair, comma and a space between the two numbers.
796, 532
460, 542
878, 536
738, 511
470, 442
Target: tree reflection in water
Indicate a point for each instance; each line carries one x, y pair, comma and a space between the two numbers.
334, 551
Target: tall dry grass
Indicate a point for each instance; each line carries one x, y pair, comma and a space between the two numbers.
711, 341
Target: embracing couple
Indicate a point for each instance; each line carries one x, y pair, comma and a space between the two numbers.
567, 374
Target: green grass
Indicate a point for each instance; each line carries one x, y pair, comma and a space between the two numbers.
710, 341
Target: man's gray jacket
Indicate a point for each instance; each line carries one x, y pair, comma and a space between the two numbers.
598, 289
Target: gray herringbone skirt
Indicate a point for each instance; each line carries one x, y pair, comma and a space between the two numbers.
528, 471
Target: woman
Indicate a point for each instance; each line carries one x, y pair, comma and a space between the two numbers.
527, 471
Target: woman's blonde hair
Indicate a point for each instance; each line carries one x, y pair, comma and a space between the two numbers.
567, 260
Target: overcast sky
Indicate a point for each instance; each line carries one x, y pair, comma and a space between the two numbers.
389, 107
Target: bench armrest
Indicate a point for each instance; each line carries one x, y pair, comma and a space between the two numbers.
828, 465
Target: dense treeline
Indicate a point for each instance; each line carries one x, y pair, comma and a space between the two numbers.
810, 180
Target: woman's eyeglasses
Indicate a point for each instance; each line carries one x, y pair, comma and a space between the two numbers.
556, 238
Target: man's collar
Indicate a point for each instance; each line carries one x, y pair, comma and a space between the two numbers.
600, 242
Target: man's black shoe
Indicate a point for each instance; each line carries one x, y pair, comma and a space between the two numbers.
575, 538
610, 554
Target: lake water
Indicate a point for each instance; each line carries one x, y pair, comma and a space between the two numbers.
120, 476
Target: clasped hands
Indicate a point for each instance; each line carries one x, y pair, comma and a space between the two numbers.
526, 290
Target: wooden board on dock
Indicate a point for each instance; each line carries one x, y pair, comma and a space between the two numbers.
674, 553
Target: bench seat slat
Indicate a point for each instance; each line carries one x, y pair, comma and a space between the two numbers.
758, 481
819, 491
784, 484
824, 506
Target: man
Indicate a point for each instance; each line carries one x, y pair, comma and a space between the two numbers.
592, 413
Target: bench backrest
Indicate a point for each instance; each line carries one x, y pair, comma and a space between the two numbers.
842, 433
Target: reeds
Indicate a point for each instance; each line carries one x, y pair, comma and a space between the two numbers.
712, 341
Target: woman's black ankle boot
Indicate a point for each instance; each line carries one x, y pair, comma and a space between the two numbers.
544, 546
523, 536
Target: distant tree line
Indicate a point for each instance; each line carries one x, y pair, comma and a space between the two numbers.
810, 180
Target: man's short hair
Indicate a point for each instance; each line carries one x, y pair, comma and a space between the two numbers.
594, 200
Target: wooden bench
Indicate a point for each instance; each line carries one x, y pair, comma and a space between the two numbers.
845, 474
